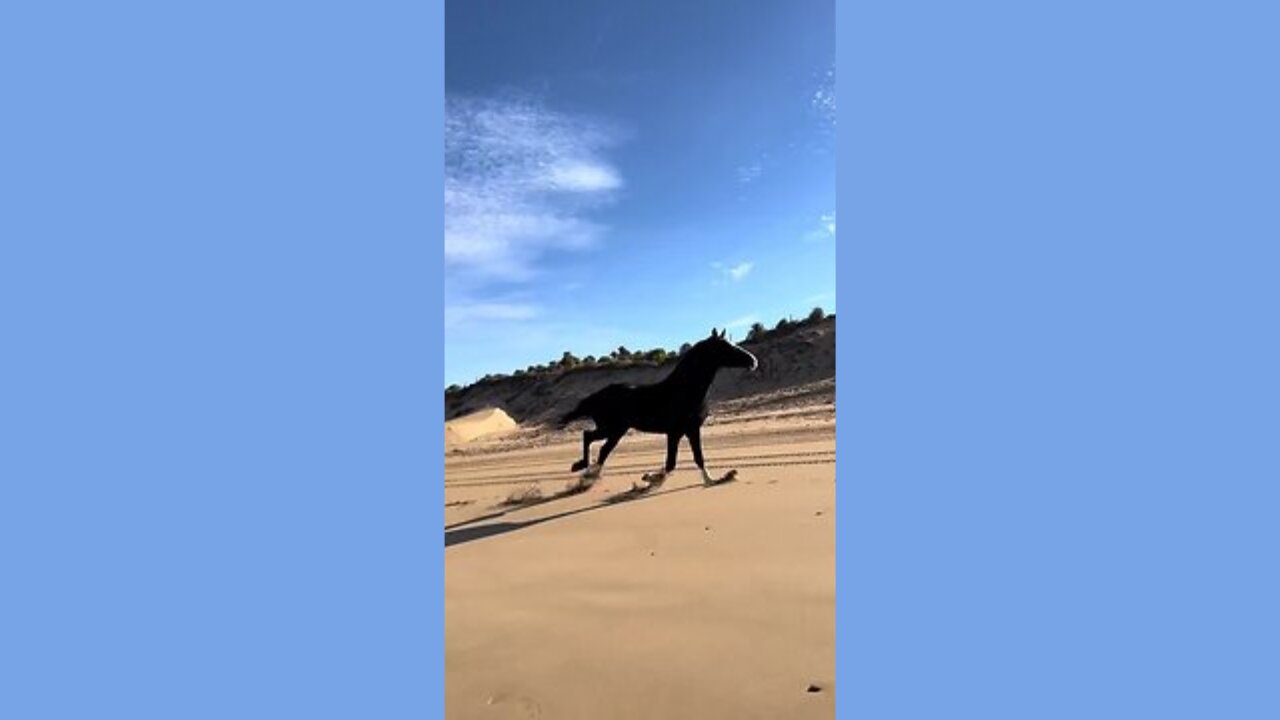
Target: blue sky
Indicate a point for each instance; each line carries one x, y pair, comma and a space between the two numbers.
633, 173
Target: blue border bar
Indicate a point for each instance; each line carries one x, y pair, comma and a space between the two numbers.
1058, 360
220, 459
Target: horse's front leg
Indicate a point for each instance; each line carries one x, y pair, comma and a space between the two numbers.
695, 441
673, 446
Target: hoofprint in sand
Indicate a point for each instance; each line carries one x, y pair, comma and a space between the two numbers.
616, 599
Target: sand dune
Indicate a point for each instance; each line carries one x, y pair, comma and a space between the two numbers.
480, 424
682, 602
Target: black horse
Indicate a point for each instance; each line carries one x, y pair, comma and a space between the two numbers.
676, 407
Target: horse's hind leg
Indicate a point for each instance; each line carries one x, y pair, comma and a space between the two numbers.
588, 437
609, 444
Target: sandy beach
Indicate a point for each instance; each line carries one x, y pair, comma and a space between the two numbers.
681, 602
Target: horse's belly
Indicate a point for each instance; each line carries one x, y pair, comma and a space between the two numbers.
666, 422
652, 425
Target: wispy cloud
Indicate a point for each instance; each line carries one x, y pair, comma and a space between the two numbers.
741, 322
748, 174
740, 271
464, 312
826, 229
735, 273
824, 97
520, 180
582, 177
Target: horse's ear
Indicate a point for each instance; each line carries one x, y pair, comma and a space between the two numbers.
713, 332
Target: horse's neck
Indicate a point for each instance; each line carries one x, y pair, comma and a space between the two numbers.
692, 377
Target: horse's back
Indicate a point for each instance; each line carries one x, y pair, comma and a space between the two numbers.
648, 408
606, 398
612, 390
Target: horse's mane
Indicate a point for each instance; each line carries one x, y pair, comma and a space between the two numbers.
693, 359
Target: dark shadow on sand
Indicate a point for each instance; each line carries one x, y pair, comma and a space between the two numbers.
461, 532
511, 506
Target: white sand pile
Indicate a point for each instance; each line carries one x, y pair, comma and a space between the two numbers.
482, 423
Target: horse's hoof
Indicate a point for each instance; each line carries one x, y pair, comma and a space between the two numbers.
580, 465
654, 478
592, 473
726, 478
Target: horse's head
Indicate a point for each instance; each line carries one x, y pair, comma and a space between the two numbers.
719, 352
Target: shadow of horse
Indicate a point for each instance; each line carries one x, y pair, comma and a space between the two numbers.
468, 530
